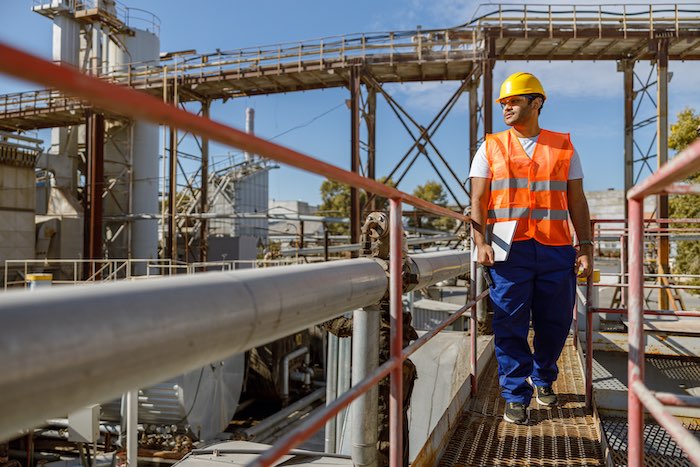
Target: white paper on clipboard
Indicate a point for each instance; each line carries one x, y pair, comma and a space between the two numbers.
500, 236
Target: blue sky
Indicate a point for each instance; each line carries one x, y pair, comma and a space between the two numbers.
584, 98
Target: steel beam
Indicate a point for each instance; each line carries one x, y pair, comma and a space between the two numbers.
627, 67
95, 185
171, 246
662, 211
487, 69
355, 209
370, 117
204, 191
473, 118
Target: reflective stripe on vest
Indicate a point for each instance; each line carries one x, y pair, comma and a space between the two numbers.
532, 190
548, 185
542, 185
524, 213
509, 183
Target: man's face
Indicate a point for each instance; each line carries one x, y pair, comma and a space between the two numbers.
518, 109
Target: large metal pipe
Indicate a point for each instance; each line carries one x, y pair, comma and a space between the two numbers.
438, 266
96, 342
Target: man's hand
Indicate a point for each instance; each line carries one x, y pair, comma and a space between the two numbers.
584, 261
484, 255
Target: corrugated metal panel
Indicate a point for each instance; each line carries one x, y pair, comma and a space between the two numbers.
203, 400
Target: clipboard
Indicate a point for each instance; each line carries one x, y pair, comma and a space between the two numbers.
500, 236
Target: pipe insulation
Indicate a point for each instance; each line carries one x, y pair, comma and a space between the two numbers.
430, 268
64, 347
70, 346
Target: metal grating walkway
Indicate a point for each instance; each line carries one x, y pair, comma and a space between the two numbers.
659, 448
566, 435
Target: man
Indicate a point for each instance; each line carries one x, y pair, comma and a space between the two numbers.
533, 176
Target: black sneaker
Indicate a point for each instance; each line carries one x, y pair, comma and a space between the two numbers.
546, 396
516, 412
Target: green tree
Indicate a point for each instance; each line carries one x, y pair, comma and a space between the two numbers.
683, 132
433, 192
335, 202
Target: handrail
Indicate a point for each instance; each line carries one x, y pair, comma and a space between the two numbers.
137, 105
639, 397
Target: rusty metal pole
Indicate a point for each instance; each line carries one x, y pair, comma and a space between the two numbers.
473, 118
326, 241
371, 124
627, 67
488, 84
589, 343
635, 364
204, 191
95, 185
395, 293
355, 210
301, 234
172, 197
662, 157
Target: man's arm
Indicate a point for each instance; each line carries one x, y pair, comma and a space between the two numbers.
481, 191
581, 218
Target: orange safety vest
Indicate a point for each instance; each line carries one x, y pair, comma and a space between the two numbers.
531, 191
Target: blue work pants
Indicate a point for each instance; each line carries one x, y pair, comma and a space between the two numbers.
536, 281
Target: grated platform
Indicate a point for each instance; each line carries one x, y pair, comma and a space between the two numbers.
566, 435
659, 449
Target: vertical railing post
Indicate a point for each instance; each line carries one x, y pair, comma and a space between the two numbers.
396, 378
589, 343
473, 268
635, 364
623, 272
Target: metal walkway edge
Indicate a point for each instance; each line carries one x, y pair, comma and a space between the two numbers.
567, 435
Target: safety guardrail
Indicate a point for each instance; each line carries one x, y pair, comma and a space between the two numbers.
137, 105
627, 18
639, 396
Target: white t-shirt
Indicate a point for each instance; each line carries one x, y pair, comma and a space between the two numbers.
480, 165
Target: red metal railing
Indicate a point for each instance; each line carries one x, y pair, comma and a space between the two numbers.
639, 396
137, 105
590, 310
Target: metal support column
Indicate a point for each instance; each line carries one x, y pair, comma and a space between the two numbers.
473, 118
355, 211
171, 247
627, 67
371, 124
488, 84
662, 157
204, 191
95, 185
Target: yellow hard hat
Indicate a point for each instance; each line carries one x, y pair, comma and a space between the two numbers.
520, 83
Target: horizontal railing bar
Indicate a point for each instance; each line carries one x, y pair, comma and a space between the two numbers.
623, 311
683, 165
678, 400
139, 106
